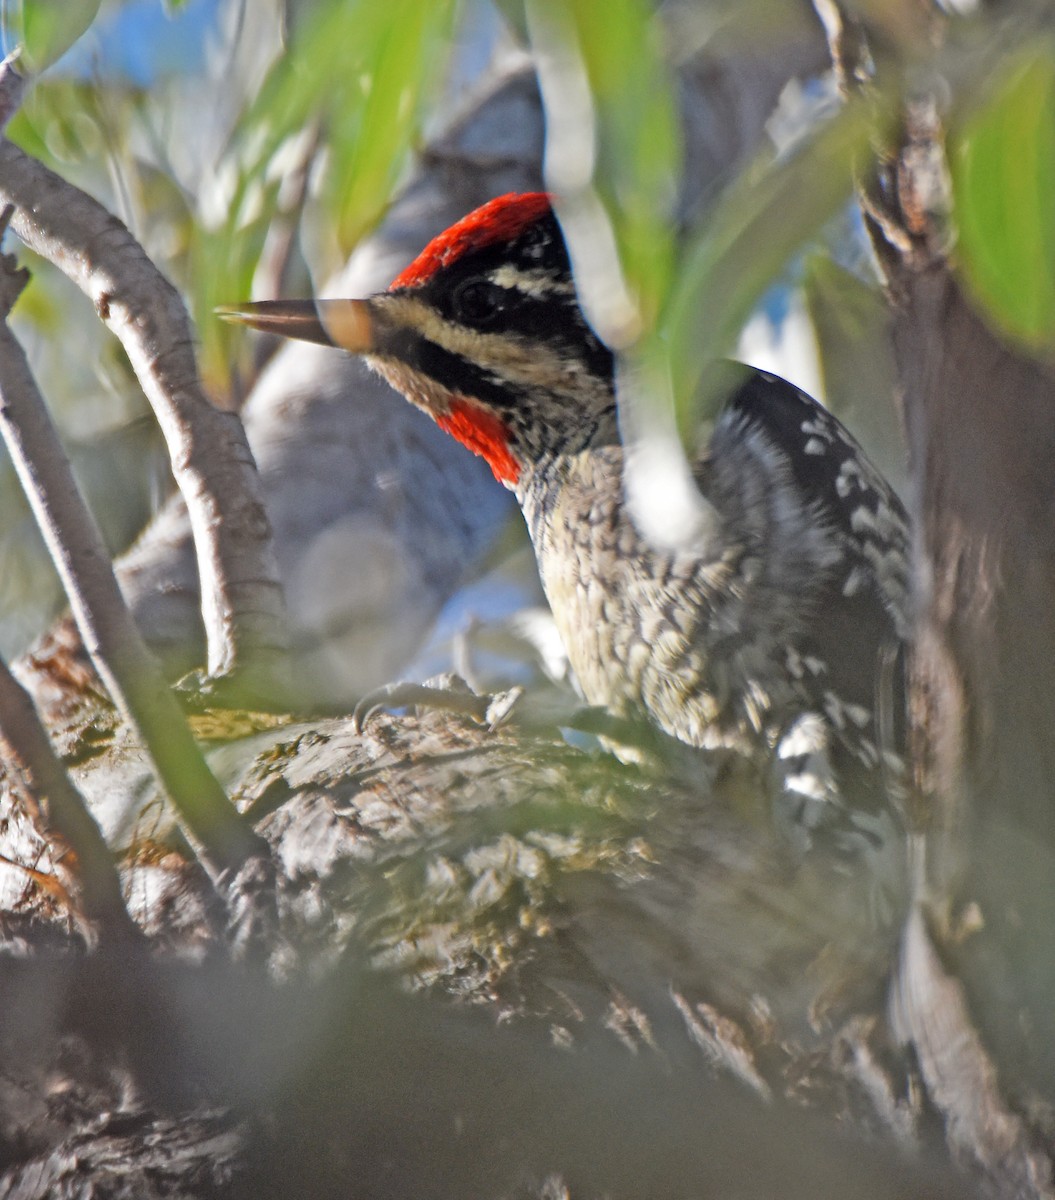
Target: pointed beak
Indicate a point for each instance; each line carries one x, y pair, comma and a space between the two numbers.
344, 323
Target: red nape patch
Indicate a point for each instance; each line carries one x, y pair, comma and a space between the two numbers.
496, 221
484, 434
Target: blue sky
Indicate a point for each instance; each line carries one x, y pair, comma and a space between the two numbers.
139, 40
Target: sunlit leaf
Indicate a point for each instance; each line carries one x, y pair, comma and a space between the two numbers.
370, 140
769, 214
1003, 174
639, 150
362, 70
353, 82
48, 28
71, 123
38, 305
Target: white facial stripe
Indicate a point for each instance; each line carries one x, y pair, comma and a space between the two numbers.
537, 284
534, 366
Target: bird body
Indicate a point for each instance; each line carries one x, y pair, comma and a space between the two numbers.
769, 636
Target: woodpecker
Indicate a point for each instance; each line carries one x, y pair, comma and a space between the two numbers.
781, 638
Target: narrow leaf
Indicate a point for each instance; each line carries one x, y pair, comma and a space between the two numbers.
1003, 175
639, 144
48, 28
766, 217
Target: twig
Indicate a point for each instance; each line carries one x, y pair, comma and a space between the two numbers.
242, 602
110, 634
82, 859
847, 45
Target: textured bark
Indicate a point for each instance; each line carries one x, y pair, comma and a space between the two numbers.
981, 423
981, 428
975, 976
82, 864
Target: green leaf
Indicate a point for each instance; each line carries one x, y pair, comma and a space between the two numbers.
639, 140
1003, 177
768, 215
364, 71
48, 28
370, 139
353, 85
61, 122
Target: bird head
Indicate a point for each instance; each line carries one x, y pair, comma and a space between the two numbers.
483, 331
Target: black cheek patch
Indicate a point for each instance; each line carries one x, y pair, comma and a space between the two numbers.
451, 371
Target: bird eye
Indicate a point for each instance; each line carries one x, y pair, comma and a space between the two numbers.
478, 302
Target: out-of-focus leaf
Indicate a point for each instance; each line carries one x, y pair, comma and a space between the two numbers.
769, 214
1003, 176
222, 266
639, 143
362, 70
48, 28
40, 307
83, 131
369, 141
359, 73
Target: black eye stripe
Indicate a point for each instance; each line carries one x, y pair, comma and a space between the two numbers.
448, 368
459, 374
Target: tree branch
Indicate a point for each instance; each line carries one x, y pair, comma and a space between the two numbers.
110, 634
242, 601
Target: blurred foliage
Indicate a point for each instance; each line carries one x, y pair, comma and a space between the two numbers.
46, 29
274, 129
346, 96
769, 214
639, 144
1003, 176
206, 168
777, 206
850, 320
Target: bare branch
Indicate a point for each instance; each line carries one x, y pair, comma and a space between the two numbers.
242, 601
110, 634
